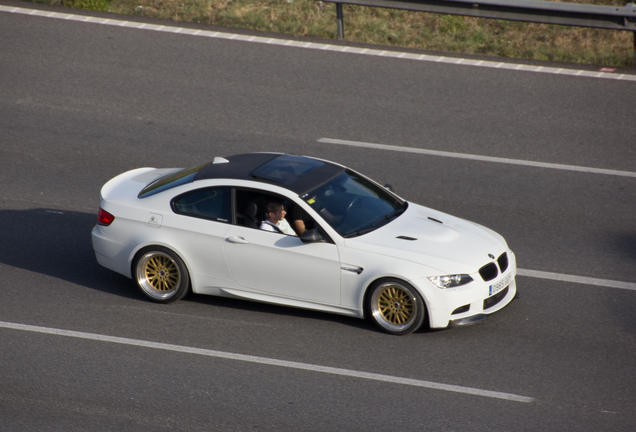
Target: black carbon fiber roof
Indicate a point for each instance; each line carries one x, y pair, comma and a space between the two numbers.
299, 174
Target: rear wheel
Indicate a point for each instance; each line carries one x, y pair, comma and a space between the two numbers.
395, 306
161, 274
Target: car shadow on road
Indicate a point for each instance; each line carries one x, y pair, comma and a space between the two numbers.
622, 303
625, 243
268, 308
57, 244
274, 309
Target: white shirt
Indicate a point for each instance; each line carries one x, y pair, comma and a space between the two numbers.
283, 225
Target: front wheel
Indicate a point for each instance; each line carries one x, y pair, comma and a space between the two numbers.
161, 274
395, 306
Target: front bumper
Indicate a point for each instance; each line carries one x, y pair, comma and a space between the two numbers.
471, 303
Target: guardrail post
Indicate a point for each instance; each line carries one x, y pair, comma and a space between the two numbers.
340, 21
543, 12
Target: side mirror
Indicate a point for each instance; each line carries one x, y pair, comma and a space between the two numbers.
389, 187
312, 236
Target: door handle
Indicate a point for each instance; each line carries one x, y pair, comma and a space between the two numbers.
239, 240
353, 269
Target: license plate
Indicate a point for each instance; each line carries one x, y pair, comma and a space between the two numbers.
503, 283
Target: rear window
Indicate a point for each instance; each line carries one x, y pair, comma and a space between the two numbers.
171, 180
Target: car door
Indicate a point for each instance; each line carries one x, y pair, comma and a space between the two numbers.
282, 265
202, 216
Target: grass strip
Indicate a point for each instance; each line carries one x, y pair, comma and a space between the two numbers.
392, 27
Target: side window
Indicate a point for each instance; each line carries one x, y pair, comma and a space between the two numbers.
302, 222
208, 203
252, 210
299, 219
251, 206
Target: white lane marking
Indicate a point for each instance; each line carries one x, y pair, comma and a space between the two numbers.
268, 361
477, 157
577, 279
312, 45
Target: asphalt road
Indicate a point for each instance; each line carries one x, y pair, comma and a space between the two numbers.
81, 103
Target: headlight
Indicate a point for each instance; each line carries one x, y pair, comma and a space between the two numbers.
450, 281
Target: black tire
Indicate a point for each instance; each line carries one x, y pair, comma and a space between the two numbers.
161, 274
395, 306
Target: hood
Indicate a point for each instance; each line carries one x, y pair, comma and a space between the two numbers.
446, 243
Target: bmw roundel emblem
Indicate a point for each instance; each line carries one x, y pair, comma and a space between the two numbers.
491, 256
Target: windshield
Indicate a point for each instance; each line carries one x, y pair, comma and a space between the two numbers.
353, 205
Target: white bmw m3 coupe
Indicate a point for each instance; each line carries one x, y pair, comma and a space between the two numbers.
302, 232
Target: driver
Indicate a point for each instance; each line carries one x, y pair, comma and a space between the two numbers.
276, 221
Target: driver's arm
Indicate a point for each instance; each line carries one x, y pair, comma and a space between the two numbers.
299, 226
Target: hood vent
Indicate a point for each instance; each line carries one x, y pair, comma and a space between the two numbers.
435, 220
406, 238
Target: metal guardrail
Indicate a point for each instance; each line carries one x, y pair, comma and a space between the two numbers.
544, 12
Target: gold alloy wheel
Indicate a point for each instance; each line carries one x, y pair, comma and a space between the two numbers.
158, 275
394, 306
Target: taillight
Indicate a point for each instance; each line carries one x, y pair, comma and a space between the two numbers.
104, 218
